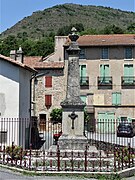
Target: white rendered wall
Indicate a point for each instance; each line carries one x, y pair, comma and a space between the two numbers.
9, 90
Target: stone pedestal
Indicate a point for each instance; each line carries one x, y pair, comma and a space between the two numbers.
72, 127
72, 143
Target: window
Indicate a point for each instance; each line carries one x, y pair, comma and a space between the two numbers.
48, 81
3, 137
116, 98
82, 54
48, 100
128, 53
105, 53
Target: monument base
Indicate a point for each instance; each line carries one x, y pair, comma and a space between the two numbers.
72, 142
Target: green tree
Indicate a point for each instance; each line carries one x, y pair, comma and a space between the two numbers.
56, 115
65, 30
7, 44
91, 31
131, 28
112, 29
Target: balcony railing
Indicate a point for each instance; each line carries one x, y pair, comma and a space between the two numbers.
128, 80
84, 82
104, 81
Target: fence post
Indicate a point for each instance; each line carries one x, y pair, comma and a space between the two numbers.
30, 156
12, 153
114, 159
122, 160
4, 150
43, 160
129, 151
21, 157
58, 156
85, 154
72, 163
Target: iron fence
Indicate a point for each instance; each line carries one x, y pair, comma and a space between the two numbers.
26, 144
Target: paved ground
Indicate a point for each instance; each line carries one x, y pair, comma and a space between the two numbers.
10, 175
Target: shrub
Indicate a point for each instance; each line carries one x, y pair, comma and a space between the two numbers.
15, 152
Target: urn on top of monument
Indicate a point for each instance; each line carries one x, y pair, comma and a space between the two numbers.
73, 73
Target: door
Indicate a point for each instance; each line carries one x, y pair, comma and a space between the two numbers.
105, 122
42, 122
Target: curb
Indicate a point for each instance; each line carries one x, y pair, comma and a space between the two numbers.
123, 173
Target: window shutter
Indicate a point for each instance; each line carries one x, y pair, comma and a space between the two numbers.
118, 98
128, 73
48, 100
48, 81
83, 98
114, 98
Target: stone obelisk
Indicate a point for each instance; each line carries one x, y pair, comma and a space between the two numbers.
73, 107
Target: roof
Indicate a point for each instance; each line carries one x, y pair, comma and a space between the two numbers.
38, 63
8, 59
105, 40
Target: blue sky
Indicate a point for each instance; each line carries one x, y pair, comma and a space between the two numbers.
12, 11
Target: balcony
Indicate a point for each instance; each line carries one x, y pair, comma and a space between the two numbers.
104, 82
128, 81
84, 82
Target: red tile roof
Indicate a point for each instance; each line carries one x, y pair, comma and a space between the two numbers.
17, 63
105, 40
37, 63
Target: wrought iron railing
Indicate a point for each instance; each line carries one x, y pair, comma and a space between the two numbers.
128, 80
104, 80
84, 82
105, 152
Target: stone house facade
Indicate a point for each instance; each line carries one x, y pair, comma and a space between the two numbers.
49, 86
107, 77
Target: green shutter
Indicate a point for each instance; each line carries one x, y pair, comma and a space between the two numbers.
106, 122
114, 98
83, 73
107, 73
104, 72
83, 70
128, 73
118, 98
83, 98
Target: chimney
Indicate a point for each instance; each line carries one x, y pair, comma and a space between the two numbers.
13, 54
19, 55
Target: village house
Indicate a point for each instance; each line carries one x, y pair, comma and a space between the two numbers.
15, 98
49, 86
107, 79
